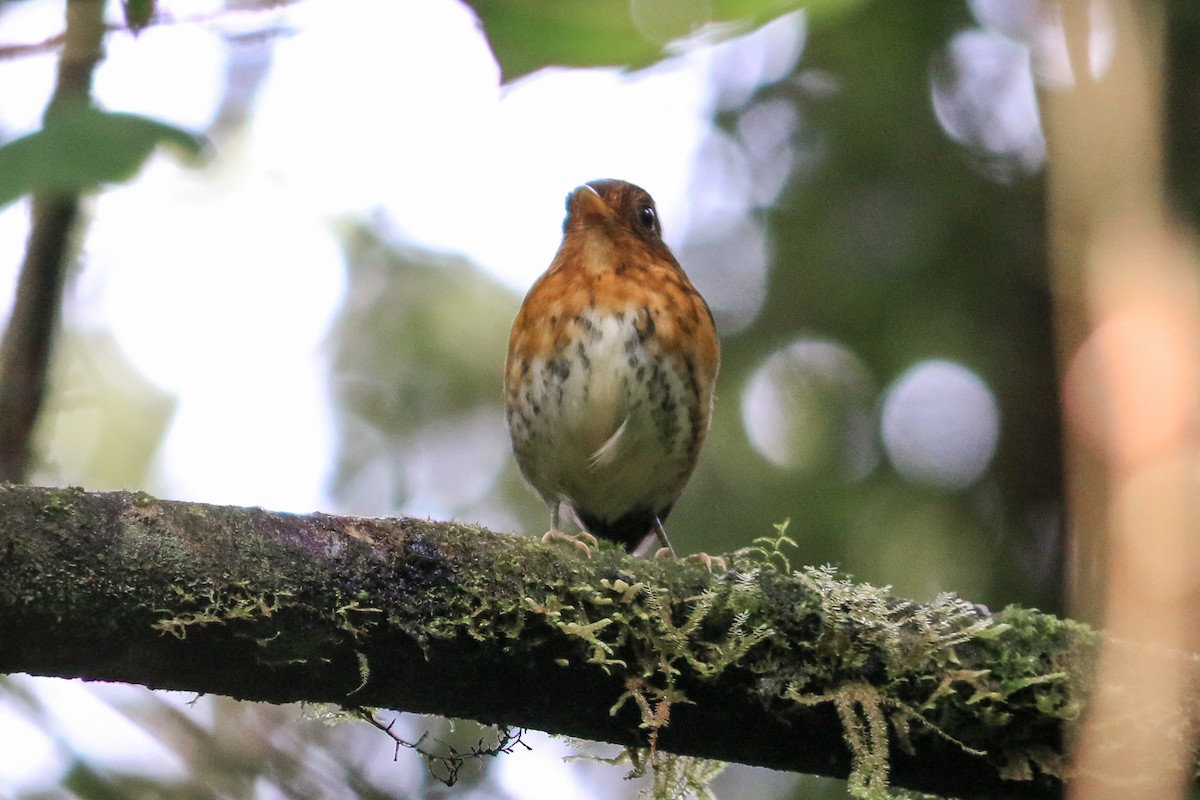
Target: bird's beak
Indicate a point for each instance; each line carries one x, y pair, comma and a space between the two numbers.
588, 206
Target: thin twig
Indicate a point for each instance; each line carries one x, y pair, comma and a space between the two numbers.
446, 766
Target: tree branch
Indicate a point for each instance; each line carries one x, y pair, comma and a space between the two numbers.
790, 669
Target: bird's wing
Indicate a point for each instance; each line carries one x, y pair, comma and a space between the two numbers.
607, 452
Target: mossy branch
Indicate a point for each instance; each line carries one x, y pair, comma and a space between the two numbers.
791, 669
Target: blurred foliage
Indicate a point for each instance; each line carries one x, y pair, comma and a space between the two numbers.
432, 319
626, 33
104, 421
215, 747
419, 340
138, 14
81, 147
894, 245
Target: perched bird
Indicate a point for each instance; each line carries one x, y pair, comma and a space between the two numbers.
611, 364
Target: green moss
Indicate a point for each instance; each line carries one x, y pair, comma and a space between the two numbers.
884, 664
60, 502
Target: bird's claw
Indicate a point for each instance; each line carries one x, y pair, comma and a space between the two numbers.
709, 561
582, 541
701, 558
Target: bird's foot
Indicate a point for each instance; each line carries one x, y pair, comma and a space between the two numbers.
700, 558
582, 541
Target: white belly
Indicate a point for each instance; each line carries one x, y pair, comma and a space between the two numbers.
609, 427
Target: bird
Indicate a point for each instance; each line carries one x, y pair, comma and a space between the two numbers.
612, 363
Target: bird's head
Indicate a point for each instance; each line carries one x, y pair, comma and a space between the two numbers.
614, 206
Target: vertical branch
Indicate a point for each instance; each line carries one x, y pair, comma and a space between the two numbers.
1128, 294
28, 339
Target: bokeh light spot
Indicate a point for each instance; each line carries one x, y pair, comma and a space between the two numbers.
940, 424
809, 407
983, 97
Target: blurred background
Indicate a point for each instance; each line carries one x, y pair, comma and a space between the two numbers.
315, 317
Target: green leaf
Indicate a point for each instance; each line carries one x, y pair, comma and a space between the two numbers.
138, 14
527, 35
81, 148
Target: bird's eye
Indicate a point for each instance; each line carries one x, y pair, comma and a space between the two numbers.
648, 217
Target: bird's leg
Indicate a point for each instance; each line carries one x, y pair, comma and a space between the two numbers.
666, 550
661, 533
579, 541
